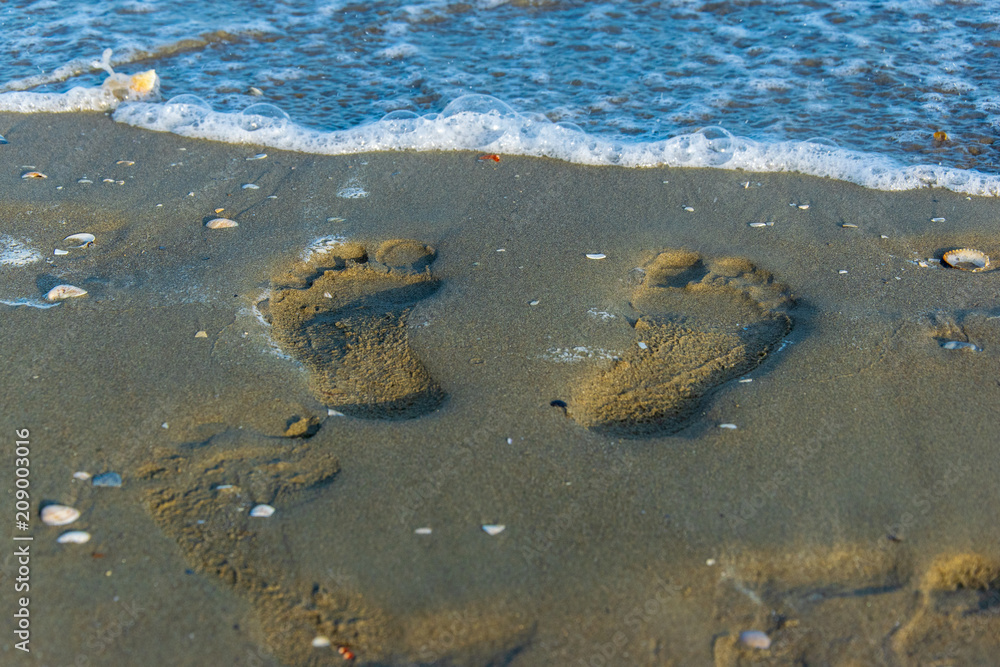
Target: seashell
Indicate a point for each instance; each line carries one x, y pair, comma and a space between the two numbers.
85, 240
250, 186
81, 475
74, 537
493, 529
755, 639
967, 259
221, 223
423, 531
595, 255
848, 225
937, 220
689, 209
258, 156
262, 511
127, 163
107, 479
761, 224
201, 334
960, 345
60, 292
57, 251
84, 180
59, 515
2, 140
320, 641
731, 427
33, 174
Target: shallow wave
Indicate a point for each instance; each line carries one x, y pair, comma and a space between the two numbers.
483, 123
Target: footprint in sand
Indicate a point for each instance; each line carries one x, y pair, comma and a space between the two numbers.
343, 315
703, 322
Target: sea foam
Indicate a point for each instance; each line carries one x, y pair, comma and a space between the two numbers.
483, 123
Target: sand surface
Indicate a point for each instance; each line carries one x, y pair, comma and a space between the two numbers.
488, 372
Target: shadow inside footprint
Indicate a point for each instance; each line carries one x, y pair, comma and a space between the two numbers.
703, 323
343, 315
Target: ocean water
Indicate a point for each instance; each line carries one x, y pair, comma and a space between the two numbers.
890, 95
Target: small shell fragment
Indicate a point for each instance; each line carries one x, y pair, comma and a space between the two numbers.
961, 345
596, 255
423, 531
760, 224
321, 642
127, 163
731, 427
689, 209
937, 220
57, 251
83, 476
33, 174
250, 186
84, 180
262, 511
755, 639
221, 223
60, 292
804, 207
848, 225
74, 537
493, 529
258, 156
59, 515
967, 259
201, 334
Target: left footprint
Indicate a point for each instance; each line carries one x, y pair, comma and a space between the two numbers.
347, 325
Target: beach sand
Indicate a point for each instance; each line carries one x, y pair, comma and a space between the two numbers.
488, 372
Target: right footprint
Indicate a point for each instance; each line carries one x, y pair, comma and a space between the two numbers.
343, 316
703, 322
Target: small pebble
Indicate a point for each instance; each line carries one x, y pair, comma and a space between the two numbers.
710, 562
534, 303
59, 515
642, 346
74, 537
107, 479
493, 529
262, 511
755, 639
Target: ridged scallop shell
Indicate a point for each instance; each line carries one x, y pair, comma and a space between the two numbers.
967, 259
59, 515
221, 223
60, 292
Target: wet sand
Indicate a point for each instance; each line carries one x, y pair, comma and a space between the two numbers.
850, 514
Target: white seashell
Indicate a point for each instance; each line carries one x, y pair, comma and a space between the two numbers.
60, 292
755, 639
221, 223
728, 426
937, 219
642, 346
689, 209
84, 239
534, 302
746, 380
262, 511
74, 537
596, 255
84, 180
761, 224
250, 186
320, 641
423, 531
493, 529
57, 251
59, 515
81, 475
258, 156
33, 174
842, 271
804, 207
961, 345
967, 259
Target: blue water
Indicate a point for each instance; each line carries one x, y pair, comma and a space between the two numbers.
874, 79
